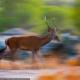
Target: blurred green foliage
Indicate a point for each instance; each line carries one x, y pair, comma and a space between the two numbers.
31, 13
77, 14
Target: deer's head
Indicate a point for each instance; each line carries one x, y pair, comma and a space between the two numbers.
52, 33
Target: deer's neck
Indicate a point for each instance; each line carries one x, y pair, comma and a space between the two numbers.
45, 39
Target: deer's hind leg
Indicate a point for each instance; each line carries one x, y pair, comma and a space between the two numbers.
12, 54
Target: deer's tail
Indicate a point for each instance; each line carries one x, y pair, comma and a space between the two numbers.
7, 42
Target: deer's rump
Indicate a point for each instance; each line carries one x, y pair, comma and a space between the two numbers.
24, 43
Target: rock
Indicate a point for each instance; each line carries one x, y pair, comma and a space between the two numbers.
2, 47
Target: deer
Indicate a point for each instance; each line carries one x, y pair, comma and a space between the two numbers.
30, 43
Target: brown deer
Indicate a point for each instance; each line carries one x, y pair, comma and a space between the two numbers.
30, 43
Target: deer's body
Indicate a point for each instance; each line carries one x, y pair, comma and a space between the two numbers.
27, 42
30, 43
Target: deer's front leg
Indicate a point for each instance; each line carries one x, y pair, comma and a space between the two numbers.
33, 56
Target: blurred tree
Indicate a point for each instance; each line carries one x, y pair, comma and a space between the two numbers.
21, 13
7, 13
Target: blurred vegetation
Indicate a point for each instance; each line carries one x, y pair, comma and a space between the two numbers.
31, 14
77, 14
